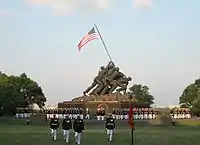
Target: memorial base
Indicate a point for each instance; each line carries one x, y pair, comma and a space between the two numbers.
108, 102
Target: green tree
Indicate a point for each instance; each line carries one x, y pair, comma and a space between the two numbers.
191, 97
141, 94
19, 91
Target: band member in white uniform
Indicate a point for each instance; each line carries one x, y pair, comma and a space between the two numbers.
87, 114
98, 114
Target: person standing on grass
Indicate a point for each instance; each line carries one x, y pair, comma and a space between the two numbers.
110, 126
87, 116
78, 127
66, 126
173, 122
54, 125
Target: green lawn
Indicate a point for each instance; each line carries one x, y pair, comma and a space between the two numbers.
157, 132
39, 135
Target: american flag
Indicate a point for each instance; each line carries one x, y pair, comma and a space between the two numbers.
91, 35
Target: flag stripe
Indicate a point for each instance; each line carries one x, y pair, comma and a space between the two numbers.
85, 42
88, 37
91, 35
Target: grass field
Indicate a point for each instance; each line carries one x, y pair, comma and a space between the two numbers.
20, 134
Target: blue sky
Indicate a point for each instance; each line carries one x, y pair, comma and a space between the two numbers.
153, 41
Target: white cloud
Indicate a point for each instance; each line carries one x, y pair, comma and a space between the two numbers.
103, 4
6, 13
143, 3
68, 6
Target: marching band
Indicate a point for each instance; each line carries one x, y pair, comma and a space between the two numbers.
181, 113
139, 113
118, 114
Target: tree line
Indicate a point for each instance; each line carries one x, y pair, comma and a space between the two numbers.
22, 92
19, 92
190, 98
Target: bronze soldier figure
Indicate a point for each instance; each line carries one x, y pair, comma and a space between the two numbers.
97, 80
107, 80
110, 69
115, 75
122, 83
103, 87
110, 65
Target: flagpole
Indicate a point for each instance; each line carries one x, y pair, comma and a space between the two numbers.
132, 140
132, 129
103, 43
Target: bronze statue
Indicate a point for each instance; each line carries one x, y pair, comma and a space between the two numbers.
105, 90
103, 79
115, 75
107, 81
97, 80
123, 83
110, 65
110, 68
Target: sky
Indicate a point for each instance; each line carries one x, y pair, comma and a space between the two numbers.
153, 41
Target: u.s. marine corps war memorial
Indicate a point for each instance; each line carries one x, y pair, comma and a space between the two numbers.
107, 91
